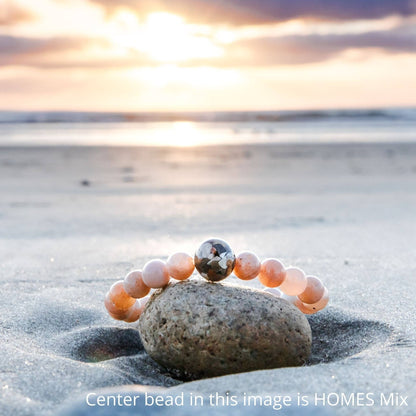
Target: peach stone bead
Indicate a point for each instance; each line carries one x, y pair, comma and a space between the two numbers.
292, 299
155, 274
134, 285
118, 317
314, 290
294, 283
272, 273
301, 306
180, 266
134, 312
318, 306
113, 311
247, 266
118, 296
273, 291
143, 301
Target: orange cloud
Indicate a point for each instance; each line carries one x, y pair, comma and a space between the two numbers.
12, 13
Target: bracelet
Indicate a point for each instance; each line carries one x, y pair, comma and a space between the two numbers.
214, 260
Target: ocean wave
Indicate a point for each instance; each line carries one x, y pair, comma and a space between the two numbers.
404, 114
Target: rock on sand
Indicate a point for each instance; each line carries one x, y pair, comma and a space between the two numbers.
201, 329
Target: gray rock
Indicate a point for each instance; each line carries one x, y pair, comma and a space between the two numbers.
201, 329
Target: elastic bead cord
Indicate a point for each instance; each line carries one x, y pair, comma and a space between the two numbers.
127, 298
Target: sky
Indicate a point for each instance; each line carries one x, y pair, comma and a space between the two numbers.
167, 55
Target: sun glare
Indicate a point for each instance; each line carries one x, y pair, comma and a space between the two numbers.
205, 78
170, 40
178, 134
164, 37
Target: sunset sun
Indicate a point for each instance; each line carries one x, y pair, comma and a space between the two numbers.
185, 42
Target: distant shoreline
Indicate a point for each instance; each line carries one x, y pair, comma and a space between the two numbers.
10, 117
301, 148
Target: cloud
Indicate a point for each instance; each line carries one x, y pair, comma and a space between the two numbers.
298, 49
14, 45
247, 12
11, 14
62, 52
17, 50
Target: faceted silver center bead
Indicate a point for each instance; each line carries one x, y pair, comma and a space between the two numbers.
214, 260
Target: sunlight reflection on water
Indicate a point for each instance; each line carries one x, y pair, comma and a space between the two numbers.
186, 133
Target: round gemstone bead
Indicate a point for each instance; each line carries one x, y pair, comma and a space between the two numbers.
143, 301
113, 311
134, 312
214, 260
272, 273
294, 283
274, 291
292, 299
301, 306
180, 266
155, 274
118, 296
247, 266
117, 316
314, 290
318, 306
134, 285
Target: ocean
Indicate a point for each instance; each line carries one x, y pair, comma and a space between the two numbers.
396, 125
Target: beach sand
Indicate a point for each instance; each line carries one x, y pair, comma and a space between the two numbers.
75, 219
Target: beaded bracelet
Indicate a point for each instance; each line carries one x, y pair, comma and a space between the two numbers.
214, 260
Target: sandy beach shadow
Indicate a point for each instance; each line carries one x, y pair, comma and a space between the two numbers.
336, 335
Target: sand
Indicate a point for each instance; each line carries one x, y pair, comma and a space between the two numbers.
73, 220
